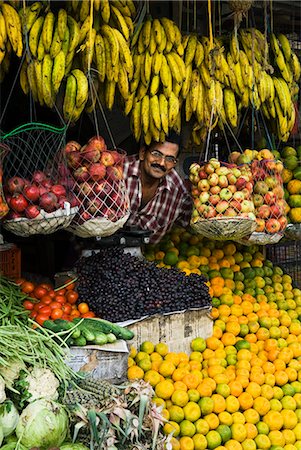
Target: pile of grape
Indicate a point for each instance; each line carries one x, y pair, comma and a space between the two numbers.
119, 286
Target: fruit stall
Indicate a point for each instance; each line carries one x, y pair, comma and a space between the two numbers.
108, 340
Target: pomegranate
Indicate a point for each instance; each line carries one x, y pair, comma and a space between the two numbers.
18, 202
58, 190
48, 202
38, 176
32, 211
15, 185
31, 192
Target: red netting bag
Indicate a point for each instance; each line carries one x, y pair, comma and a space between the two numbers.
268, 198
99, 187
222, 197
4, 149
36, 183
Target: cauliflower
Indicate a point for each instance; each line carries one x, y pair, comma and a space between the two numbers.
11, 371
2, 390
42, 384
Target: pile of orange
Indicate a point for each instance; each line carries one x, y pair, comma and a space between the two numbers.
240, 389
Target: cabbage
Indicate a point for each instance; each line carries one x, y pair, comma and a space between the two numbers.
72, 446
12, 446
43, 424
9, 417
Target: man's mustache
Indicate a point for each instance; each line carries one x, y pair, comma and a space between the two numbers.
157, 166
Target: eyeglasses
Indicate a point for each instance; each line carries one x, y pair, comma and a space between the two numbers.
158, 155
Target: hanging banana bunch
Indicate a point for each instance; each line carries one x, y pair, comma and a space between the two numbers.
10, 36
158, 75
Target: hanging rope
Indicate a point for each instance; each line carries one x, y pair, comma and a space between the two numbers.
90, 33
187, 16
219, 18
180, 14
271, 15
210, 25
194, 15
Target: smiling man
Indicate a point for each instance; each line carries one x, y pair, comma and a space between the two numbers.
157, 193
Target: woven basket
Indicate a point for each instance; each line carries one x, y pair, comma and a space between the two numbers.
261, 238
223, 229
97, 227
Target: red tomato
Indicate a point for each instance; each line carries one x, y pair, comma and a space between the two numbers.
46, 286
66, 317
51, 293
39, 292
28, 305
83, 308
75, 313
38, 306
33, 314
70, 287
27, 287
46, 299
60, 299
40, 318
67, 308
55, 305
60, 291
56, 313
19, 281
88, 315
71, 297
45, 310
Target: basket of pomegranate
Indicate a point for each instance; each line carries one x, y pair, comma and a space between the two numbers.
37, 186
268, 196
99, 188
222, 197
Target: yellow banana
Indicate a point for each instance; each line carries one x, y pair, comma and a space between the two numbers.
174, 68
234, 48
84, 10
271, 108
295, 67
274, 44
199, 54
100, 57
3, 32
120, 22
158, 32
110, 87
169, 29
173, 109
163, 106
125, 54
47, 31
177, 124
62, 23
130, 24
84, 30
194, 89
230, 107
96, 5
205, 75
147, 67
47, 65
69, 61
136, 36
58, 71
165, 74
176, 87
178, 39
88, 52
188, 109
73, 35
114, 45
190, 49
157, 62
141, 91
154, 86
285, 46
70, 98
239, 79
13, 28
32, 80
123, 83
155, 133
129, 104
145, 113
187, 81
200, 104
130, 4
38, 66
265, 111
56, 44
65, 42
82, 90
24, 83
41, 49
30, 15
152, 43
136, 120
105, 10
146, 33
283, 100
123, 7
155, 111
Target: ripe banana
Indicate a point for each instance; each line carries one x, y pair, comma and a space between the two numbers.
47, 65
100, 57
82, 90
62, 23
58, 71
47, 31
230, 107
145, 113
13, 28
163, 106
155, 111
69, 106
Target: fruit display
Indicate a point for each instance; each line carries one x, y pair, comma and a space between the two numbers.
97, 183
222, 190
268, 193
239, 388
291, 176
111, 278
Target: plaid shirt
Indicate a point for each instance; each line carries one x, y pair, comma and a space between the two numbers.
171, 203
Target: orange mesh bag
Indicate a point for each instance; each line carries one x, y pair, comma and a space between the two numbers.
99, 187
222, 197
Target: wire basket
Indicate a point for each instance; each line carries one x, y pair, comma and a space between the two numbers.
222, 229
36, 161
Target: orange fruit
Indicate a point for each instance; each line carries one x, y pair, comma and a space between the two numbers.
164, 389
135, 372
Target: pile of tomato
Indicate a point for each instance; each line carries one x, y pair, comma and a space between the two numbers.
46, 303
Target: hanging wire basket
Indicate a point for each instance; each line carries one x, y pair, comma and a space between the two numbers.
35, 160
4, 150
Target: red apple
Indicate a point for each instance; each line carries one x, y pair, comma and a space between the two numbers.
247, 206
194, 192
94, 205
47, 183
72, 146
260, 225
81, 174
235, 204
203, 185
278, 191
97, 171
208, 168
15, 185
114, 173
211, 212
258, 200
42, 190
260, 187
86, 188
118, 157
230, 212
225, 194
270, 198
283, 222
90, 153
239, 196
276, 211
240, 183
272, 226
102, 188
202, 175
223, 181
222, 206
232, 188
107, 159
193, 169
213, 179
204, 196
98, 143
74, 159
263, 212
13, 215
215, 190
214, 199
31, 192
231, 178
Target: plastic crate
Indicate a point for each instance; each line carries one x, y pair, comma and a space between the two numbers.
287, 255
10, 261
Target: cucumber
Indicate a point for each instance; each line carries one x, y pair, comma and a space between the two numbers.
88, 335
100, 339
103, 326
50, 325
111, 338
64, 324
80, 341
